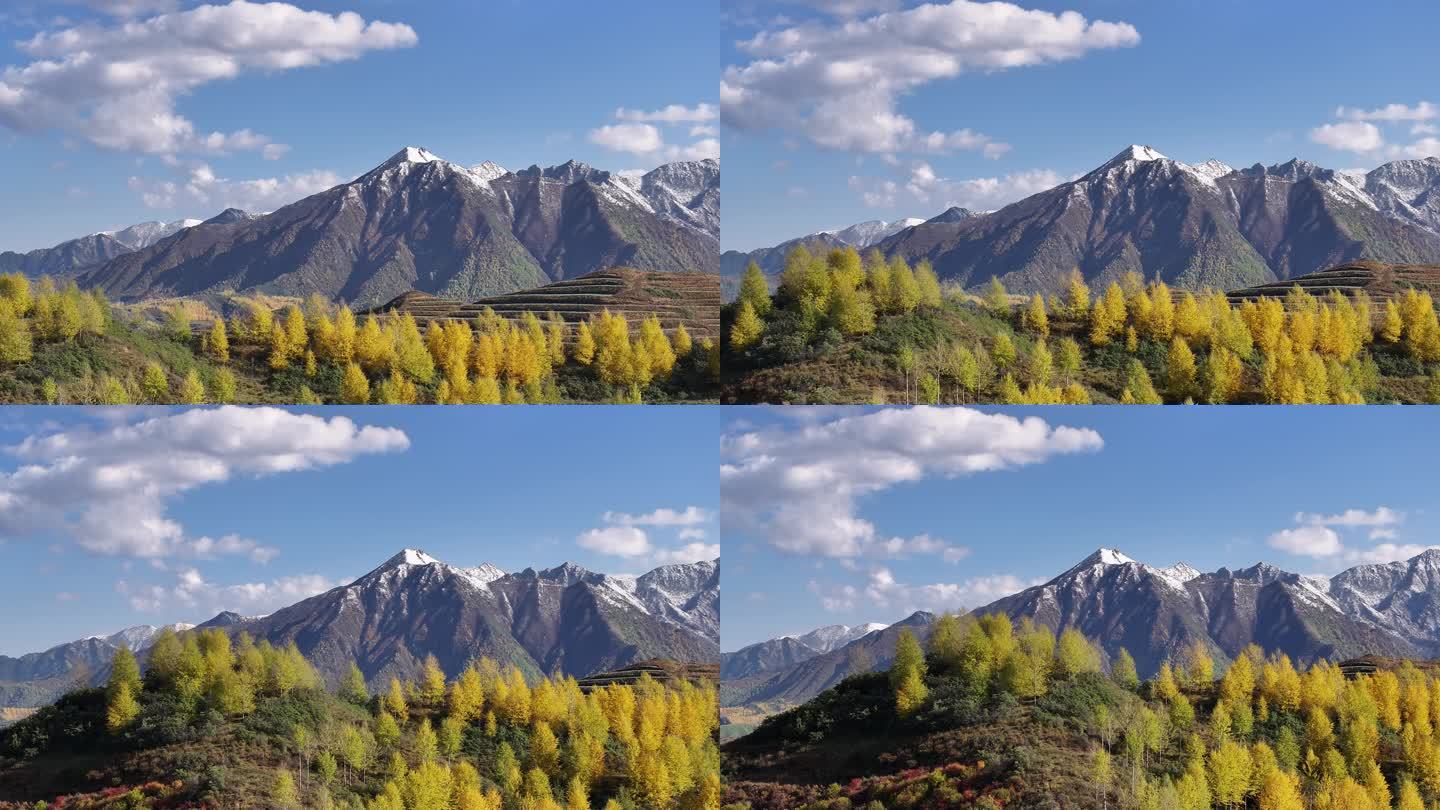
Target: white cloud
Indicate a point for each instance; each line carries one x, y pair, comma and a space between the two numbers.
799, 487
1315, 535
637, 134
979, 193
839, 84
688, 553
1384, 552
624, 537
882, 590
108, 490
637, 139
672, 114
117, 86
1358, 131
619, 541
689, 516
1424, 111
1310, 541
192, 591
1382, 516
1349, 136
199, 186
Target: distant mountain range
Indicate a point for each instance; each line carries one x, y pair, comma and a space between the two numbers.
1194, 226
776, 653
415, 222
558, 620
1155, 613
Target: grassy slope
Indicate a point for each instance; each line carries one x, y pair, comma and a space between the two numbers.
783, 369
846, 748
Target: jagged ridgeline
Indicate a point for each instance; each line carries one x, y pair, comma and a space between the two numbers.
562, 620
216, 721
989, 713
618, 335
416, 222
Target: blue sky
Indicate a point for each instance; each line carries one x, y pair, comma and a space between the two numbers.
517, 83
1241, 82
85, 548
1208, 486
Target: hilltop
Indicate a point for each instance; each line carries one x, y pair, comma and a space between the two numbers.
995, 714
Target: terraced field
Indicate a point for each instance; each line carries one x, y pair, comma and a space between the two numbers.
689, 298
659, 669
1381, 281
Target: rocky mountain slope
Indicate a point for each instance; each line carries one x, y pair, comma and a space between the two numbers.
1191, 225
798, 682
74, 255
772, 654
558, 620
420, 222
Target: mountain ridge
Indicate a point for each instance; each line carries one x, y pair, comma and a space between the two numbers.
564, 619
417, 221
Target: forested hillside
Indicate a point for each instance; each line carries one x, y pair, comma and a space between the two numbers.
222, 724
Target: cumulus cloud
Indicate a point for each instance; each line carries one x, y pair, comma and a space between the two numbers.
799, 487
199, 186
671, 114
639, 135
689, 516
118, 85
108, 490
1424, 111
1382, 516
839, 84
883, 591
619, 541
192, 591
626, 535
1316, 535
1310, 541
1349, 136
924, 186
688, 553
1360, 131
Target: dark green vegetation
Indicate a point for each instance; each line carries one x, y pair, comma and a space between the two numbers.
991, 715
244, 725
845, 330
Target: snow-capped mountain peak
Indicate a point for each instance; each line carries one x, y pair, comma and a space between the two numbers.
1135, 153
1184, 572
488, 171
414, 154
